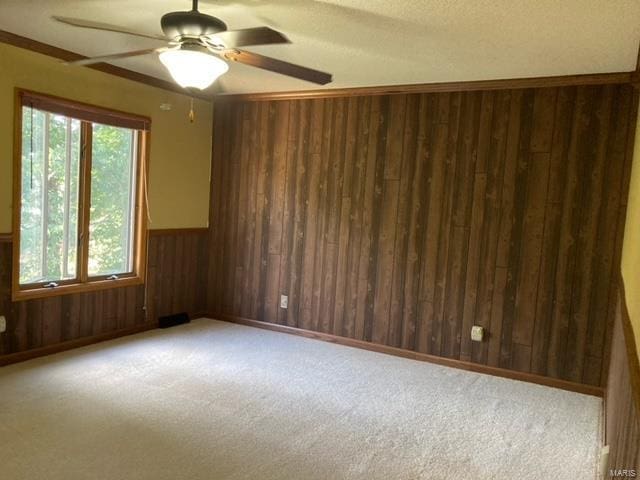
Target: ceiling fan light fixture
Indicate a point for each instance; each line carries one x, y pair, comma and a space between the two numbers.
193, 66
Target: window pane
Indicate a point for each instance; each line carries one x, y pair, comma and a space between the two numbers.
112, 200
49, 203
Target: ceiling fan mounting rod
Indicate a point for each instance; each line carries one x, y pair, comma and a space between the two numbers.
195, 6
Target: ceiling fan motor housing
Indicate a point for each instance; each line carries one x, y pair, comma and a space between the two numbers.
190, 24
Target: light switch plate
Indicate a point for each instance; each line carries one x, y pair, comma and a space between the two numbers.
3, 324
284, 301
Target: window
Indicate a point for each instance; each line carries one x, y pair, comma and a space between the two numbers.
79, 190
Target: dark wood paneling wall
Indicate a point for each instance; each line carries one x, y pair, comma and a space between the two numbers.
404, 220
622, 406
177, 272
175, 283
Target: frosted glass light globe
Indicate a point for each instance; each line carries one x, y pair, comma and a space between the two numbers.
192, 66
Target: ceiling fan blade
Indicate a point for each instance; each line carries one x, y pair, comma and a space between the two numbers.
278, 66
251, 36
78, 22
115, 56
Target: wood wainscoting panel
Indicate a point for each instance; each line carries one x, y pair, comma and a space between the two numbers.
175, 283
177, 269
623, 395
405, 219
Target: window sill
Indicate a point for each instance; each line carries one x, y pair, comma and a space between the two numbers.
97, 285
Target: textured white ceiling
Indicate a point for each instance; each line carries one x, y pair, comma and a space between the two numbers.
369, 42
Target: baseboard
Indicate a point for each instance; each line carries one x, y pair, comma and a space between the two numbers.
424, 357
71, 344
326, 337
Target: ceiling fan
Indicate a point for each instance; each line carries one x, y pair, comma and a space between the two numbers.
199, 44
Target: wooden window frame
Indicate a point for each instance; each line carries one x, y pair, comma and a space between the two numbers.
89, 114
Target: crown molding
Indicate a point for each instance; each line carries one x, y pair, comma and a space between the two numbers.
499, 84
68, 56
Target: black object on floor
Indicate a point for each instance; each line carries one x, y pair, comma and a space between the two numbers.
173, 320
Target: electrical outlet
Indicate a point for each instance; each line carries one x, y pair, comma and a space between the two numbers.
477, 333
3, 324
284, 301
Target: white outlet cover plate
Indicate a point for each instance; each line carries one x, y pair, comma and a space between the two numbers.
477, 333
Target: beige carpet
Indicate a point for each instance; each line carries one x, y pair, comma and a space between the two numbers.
213, 400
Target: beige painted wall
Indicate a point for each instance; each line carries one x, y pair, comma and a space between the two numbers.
180, 151
631, 245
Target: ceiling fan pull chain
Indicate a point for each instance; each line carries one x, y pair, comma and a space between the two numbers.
192, 114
